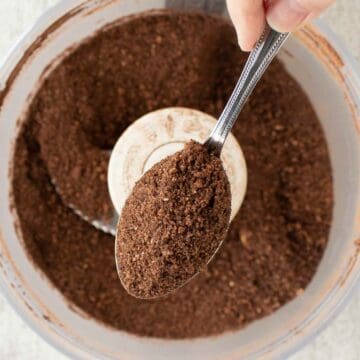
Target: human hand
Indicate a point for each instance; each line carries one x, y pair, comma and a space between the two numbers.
249, 16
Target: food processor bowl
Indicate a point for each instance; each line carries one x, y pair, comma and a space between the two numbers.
330, 78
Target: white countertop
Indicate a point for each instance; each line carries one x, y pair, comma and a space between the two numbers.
340, 341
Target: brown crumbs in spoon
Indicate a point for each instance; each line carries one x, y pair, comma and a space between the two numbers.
173, 222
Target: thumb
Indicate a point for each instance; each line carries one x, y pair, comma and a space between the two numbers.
287, 15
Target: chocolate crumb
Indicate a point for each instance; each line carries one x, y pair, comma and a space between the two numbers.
173, 222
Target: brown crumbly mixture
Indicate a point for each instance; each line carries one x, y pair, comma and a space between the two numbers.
173, 222
276, 241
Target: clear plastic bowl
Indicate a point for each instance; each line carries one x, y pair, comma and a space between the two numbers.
328, 75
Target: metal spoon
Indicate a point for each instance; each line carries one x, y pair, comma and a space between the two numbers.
259, 59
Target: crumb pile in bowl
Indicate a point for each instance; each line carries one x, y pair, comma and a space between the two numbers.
141, 64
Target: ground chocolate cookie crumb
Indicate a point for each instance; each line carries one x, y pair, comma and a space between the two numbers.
173, 222
276, 241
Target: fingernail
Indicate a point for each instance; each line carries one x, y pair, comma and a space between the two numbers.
245, 48
286, 15
243, 44
247, 43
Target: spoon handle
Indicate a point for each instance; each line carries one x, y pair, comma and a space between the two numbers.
259, 59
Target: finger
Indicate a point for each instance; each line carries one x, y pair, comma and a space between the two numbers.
248, 17
287, 15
